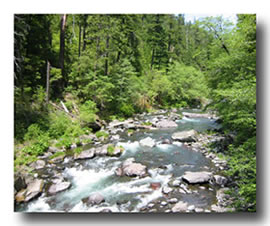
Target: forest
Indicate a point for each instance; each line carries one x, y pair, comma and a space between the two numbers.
75, 73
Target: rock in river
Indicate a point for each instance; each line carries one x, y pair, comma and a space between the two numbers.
148, 142
33, 190
88, 154
197, 177
166, 124
60, 186
135, 169
94, 199
185, 136
180, 207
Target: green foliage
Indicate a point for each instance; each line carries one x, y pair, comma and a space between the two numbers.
57, 154
88, 112
110, 150
102, 134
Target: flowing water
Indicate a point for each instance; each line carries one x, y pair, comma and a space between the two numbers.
165, 163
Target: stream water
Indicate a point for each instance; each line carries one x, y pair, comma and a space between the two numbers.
165, 163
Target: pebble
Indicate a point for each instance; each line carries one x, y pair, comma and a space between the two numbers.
173, 200
191, 208
151, 205
198, 210
163, 203
176, 183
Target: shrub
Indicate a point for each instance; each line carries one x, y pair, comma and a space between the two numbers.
110, 149
102, 134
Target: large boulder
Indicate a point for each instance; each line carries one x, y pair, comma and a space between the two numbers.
94, 199
135, 169
87, 154
148, 142
220, 180
19, 183
197, 177
58, 187
101, 151
32, 191
166, 124
199, 115
185, 136
39, 164
180, 207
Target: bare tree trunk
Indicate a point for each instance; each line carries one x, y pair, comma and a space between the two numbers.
80, 33
107, 54
48, 82
153, 56
84, 33
97, 53
62, 44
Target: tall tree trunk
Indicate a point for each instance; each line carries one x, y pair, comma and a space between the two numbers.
84, 33
62, 45
48, 82
80, 34
97, 53
153, 56
107, 55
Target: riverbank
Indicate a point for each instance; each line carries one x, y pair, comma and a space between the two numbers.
126, 155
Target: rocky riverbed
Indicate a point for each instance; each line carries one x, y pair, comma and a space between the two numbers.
157, 162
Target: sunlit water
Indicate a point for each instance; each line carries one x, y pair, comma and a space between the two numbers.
165, 163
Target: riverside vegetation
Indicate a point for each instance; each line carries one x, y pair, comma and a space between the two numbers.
73, 74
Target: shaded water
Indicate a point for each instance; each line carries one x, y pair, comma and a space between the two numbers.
165, 163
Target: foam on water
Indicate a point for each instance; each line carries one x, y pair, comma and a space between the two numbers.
190, 119
39, 205
129, 146
164, 147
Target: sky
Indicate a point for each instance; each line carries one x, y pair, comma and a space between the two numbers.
191, 17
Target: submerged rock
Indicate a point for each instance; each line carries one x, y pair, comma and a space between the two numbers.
155, 185
197, 177
148, 142
185, 136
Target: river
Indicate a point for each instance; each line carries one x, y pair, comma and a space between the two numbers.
165, 163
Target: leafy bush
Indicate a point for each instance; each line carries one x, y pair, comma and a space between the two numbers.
102, 134
88, 112
110, 149
127, 110
57, 154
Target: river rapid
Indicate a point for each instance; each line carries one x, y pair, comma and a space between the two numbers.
166, 164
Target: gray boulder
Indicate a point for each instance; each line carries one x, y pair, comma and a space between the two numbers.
134, 169
58, 187
185, 136
166, 124
148, 142
220, 180
32, 191
94, 199
39, 164
88, 154
197, 177
19, 183
101, 151
180, 207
